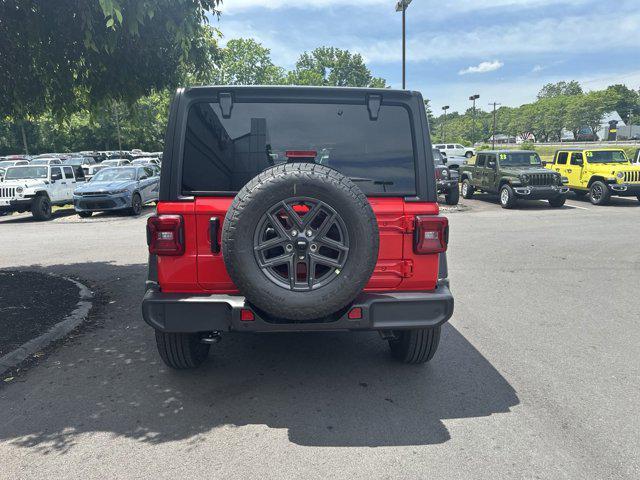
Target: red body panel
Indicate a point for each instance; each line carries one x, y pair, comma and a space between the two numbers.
199, 270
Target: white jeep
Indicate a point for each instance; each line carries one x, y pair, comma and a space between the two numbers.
37, 188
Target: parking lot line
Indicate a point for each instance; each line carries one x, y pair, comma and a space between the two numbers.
577, 206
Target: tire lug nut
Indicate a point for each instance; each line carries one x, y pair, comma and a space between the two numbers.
314, 247
294, 233
309, 233
289, 248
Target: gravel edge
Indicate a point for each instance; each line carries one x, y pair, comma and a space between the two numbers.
59, 330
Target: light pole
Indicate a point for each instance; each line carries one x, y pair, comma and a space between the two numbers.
445, 108
473, 98
493, 135
401, 6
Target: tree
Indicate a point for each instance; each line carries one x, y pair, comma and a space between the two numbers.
627, 102
61, 55
333, 67
246, 62
561, 88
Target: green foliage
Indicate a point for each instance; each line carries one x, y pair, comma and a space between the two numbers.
559, 106
64, 55
246, 62
333, 67
527, 146
87, 124
551, 90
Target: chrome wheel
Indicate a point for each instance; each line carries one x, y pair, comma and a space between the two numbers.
504, 196
301, 244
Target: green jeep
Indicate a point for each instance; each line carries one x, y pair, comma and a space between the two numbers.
513, 174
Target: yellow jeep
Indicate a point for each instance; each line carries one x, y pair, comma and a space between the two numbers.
601, 172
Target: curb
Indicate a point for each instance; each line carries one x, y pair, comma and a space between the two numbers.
59, 330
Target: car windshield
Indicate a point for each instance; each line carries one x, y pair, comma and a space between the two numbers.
520, 159
606, 156
224, 152
15, 173
74, 161
114, 174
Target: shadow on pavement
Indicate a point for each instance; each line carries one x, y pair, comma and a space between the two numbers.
329, 389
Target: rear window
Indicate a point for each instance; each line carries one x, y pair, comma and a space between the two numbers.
223, 154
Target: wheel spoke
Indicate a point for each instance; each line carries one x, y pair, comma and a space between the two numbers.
327, 242
275, 261
311, 215
275, 221
293, 215
274, 242
323, 260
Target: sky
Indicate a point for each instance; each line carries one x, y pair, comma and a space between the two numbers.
503, 50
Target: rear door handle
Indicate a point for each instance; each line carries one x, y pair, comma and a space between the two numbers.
214, 224
568, 170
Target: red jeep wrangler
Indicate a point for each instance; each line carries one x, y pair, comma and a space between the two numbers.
296, 209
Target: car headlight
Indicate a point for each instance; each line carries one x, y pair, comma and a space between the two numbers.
116, 192
445, 173
524, 178
19, 191
620, 175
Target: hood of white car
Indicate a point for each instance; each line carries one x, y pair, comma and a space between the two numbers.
25, 182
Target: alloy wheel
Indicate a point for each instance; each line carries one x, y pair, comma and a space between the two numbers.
301, 243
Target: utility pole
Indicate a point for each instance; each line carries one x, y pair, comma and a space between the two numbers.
473, 98
493, 135
115, 109
445, 108
401, 6
24, 138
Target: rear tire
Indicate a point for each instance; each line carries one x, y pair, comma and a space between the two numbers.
85, 214
452, 197
468, 154
41, 208
181, 350
467, 189
599, 193
558, 201
415, 346
507, 197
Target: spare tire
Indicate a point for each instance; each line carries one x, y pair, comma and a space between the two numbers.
300, 241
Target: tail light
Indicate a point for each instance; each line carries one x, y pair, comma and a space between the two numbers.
431, 234
165, 235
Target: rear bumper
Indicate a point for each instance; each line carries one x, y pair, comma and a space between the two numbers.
170, 312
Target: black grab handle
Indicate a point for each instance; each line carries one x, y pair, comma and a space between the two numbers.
214, 224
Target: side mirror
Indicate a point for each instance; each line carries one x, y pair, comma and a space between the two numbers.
545, 163
56, 176
143, 177
492, 165
579, 162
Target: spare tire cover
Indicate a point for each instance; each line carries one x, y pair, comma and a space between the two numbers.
300, 241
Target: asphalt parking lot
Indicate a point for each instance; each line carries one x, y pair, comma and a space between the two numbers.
537, 376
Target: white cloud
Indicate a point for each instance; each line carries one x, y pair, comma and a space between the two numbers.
538, 68
561, 35
233, 6
482, 67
